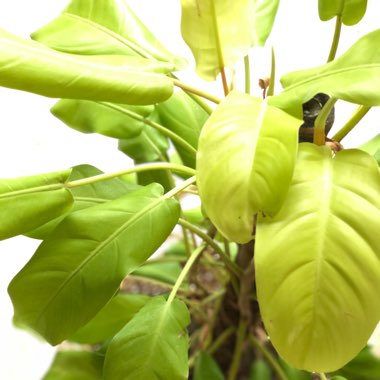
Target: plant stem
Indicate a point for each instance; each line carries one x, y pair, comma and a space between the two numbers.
360, 112
189, 263
272, 79
320, 122
247, 75
322, 376
230, 264
269, 358
224, 81
236, 359
335, 41
179, 188
196, 91
135, 169
220, 340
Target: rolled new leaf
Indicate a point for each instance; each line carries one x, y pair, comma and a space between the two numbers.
318, 260
102, 27
159, 332
31, 66
79, 267
28, 202
245, 161
350, 11
354, 77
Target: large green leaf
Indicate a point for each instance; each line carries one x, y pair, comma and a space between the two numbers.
86, 196
317, 261
153, 345
28, 202
80, 266
264, 15
354, 77
185, 117
31, 66
350, 11
76, 365
110, 319
207, 369
245, 162
102, 27
108, 119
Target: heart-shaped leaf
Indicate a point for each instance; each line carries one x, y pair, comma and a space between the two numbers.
350, 11
245, 162
28, 202
159, 332
354, 77
80, 266
318, 260
113, 78
102, 27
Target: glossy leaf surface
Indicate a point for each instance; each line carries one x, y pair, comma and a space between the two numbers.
110, 319
117, 78
318, 280
80, 266
28, 202
354, 77
159, 332
350, 11
108, 119
245, 162
76, 365
103, 27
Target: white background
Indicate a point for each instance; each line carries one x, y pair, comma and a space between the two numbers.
33, 141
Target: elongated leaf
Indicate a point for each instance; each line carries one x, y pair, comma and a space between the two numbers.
264, 15
86, 196
207, 369
28, 202
354, 77
31, 66
76, 365
317, 261
185, 117
110, 319
351, 11
245, 162
94, 27
108, 119
80, 266
158, 330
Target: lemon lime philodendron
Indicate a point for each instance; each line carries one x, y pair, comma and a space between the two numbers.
275, 275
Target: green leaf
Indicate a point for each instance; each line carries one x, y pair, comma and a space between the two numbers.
28, 202
159, 332
293, 373
264, 15
103, 27
318, 280
86, 196
167, 272
210, 30
80, 266
372, 147
206, 368
108, 119
245, 162
76, 365
185, 117
120, 310
113, 78
260, 371
350, 11
354, 77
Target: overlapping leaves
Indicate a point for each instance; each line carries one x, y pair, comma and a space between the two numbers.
317, 261
350, 11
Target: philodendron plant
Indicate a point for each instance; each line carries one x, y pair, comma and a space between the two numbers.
275, 276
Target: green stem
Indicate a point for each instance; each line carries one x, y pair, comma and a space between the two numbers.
320, 122
322, 376
184, 272
272, 79
178, 189
220, 340
269, 358
135, 169
165, 131
335, 41
247, 75
360, 112
196, 91
231, 265
236, 358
